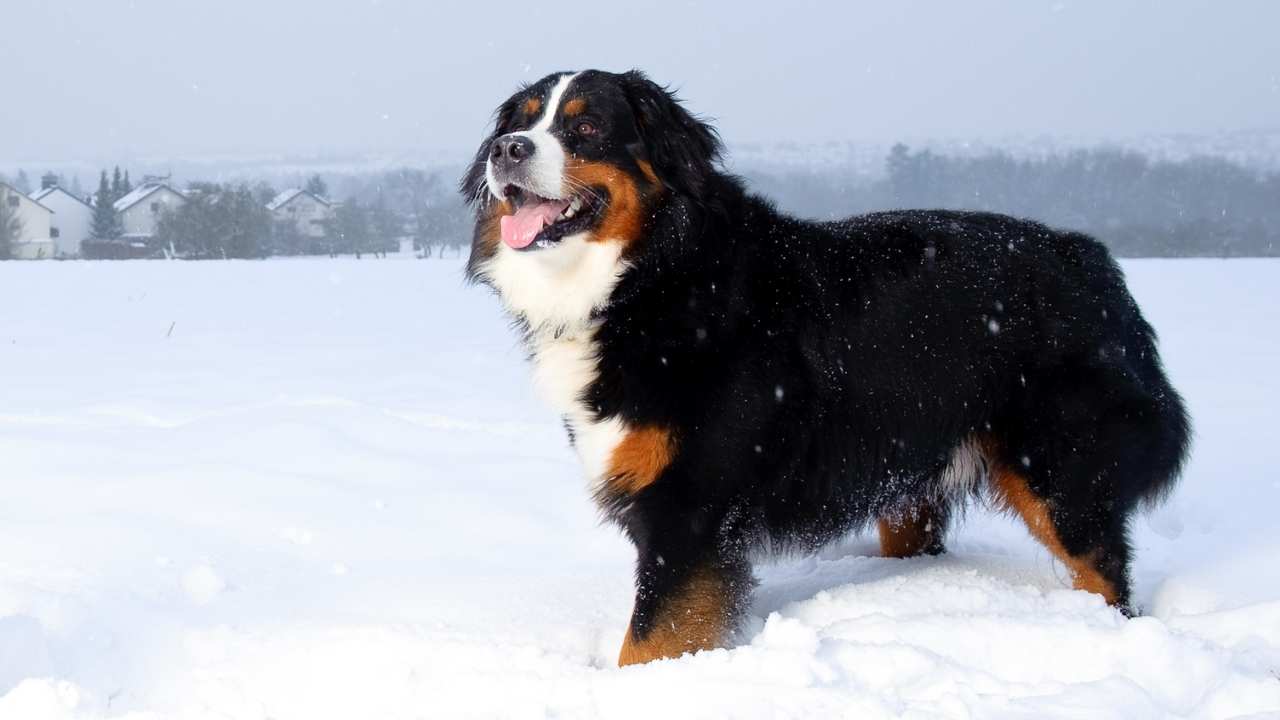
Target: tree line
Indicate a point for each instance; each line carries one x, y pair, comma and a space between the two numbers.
231, 220
1202, 206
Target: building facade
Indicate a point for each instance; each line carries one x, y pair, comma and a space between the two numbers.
140, 210
33, 238
72, 220
309, 213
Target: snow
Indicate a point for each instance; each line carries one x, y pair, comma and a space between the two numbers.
329, 492
284, 197
138, 194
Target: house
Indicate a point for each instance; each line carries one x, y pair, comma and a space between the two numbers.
33, 238
309, 213
140, 210
72, 220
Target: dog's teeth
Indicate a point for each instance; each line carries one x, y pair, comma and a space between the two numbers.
572, 208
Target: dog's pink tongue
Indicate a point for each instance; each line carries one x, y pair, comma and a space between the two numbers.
520, 229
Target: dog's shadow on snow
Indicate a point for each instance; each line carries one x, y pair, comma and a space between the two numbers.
786, 579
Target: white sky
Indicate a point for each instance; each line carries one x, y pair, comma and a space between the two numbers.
110, 78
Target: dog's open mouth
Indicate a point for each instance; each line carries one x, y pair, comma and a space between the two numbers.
540, 223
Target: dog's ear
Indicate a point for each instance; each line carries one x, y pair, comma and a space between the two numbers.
473, 185
682, 149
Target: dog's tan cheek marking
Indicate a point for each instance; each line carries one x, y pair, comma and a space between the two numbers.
489, 234
693, 618
1014, 493
638, 460
624, 217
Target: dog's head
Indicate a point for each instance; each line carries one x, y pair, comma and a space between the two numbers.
563, 185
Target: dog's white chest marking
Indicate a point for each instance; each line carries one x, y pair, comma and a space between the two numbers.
556, 291
559, 287
563, 368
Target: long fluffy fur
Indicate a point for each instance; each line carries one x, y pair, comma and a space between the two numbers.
813, 377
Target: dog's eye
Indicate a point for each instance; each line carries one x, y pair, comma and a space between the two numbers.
585, 128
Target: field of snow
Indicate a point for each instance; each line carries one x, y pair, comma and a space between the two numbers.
302, 489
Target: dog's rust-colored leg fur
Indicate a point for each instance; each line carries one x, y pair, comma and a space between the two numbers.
695, 616
639, 458
912, 532
1012, 490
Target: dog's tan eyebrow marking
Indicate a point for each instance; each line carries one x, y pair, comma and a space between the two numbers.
553, 103
532, 105
575, 107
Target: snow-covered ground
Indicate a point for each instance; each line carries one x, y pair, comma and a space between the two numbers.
323, 489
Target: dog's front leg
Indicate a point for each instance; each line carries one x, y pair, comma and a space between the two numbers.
685, 602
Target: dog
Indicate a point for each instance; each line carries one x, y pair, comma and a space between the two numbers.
733, 378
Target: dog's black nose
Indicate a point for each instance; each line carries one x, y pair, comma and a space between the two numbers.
511, 149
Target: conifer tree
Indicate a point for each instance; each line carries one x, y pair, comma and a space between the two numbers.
106, 224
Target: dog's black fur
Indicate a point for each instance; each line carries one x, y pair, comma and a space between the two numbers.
817, 376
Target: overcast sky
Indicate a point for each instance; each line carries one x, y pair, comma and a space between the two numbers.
94, 79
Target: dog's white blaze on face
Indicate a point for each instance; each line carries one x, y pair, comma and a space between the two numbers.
546, 173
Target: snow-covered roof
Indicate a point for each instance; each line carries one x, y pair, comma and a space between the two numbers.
141, 193
16, 191
288, 196
51, 190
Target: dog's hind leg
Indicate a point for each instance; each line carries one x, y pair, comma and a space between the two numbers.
1090, 444
1092, 542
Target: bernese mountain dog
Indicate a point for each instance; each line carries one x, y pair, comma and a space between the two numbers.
735, 379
